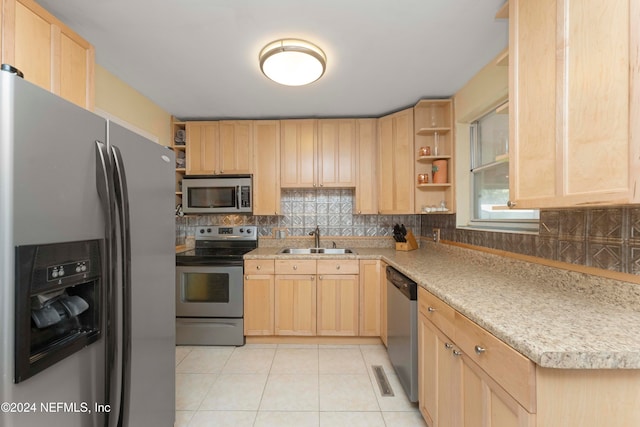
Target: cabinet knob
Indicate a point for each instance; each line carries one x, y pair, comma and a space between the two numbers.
479, 349
511, 204
448, 346
338, 267
221, 171
319, 277
457, 353
359, 212
246, 277
258, 267
295, 267
313, 278
431, 309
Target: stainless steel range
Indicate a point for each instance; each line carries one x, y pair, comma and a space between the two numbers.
209, 286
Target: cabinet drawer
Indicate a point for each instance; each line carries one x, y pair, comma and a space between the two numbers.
514, 372
338, 266
439, 313
259, 266
290, 266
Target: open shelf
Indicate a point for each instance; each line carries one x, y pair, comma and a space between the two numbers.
431, 185
432, 131
427, 158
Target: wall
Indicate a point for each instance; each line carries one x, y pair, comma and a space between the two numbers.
302, 210
118, 99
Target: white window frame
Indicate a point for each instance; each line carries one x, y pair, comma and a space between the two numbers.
519, 225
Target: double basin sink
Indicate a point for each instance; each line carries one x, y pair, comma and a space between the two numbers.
316, 251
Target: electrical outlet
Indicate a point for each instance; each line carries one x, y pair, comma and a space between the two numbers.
436, 235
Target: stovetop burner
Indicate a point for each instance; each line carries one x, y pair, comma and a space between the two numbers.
220, 245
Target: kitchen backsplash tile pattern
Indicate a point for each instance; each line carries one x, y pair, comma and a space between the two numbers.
602, 237
302, 210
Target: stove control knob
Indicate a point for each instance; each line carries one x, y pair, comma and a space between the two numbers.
208, 230
202, 231
242, 230
248, 231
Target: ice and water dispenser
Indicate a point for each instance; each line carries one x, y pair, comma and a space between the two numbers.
58, 303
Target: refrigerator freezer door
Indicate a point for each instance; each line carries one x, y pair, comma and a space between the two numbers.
47, 195
150, 180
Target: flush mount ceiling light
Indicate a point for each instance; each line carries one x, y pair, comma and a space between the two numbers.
292, 62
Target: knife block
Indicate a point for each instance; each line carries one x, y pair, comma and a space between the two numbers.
409, 245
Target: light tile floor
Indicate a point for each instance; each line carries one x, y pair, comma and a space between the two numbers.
264, 385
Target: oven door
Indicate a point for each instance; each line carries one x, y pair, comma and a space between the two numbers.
212, 291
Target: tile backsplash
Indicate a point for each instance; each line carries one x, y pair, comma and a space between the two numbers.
601, 237
302, 210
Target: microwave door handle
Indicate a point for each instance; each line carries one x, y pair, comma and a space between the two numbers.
237, 197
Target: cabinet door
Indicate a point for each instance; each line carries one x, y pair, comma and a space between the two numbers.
235, 151
366, 194
370, 298
337, 153
49, 53
298, 146
338, 301
383, 302
266, 167
259, 304
395, 160
574, 103
440, 376
202, 148
485, 403
295, 305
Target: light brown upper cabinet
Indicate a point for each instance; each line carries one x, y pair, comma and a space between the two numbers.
396, 163
49, 53
298, 145
574, 102
318, 153
202, 147
215, 148
336, 153
235, 152
266, 167
366, 193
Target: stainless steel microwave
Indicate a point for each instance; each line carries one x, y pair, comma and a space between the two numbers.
217, 195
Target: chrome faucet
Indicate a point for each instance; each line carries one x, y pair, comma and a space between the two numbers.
316, 233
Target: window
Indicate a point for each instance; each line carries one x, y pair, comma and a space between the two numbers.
490, 177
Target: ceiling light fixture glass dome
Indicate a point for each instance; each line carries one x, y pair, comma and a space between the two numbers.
292, 62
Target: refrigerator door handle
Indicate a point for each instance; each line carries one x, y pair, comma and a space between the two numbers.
122, 202
104, 187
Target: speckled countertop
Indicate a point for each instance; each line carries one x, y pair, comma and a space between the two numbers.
555, 317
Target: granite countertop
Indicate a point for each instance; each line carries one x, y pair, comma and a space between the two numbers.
557, 318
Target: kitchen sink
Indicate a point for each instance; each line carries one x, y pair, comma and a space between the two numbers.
316, 251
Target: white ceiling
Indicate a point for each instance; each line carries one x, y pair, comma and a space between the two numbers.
199, 58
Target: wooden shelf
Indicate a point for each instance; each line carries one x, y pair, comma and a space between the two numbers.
433, 158
181, 170
503, 12
178, 147
448, 184
431, 131
503, 60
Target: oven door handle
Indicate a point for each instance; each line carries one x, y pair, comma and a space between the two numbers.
237, 197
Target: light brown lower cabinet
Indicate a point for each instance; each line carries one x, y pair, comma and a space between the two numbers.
469, 378
295, 304
259, 293
370, 295
454, 390
307, 297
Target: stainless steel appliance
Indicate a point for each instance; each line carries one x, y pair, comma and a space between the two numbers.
87, 314
210, 288
402, 329
220, 194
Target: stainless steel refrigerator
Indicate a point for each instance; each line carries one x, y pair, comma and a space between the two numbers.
87, 310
